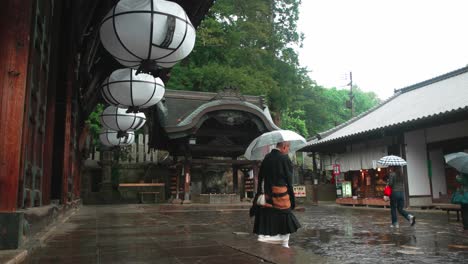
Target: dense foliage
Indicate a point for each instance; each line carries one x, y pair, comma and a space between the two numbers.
94, 123
248, 44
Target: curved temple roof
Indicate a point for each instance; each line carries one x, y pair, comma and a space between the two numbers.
436, 97
226, 120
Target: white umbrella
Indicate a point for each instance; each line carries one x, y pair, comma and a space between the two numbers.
458, 160
391, 160
262, 145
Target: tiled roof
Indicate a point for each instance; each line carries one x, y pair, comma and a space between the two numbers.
435, 97
200, 109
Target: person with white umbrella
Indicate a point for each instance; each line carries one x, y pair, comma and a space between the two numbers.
274, 220
396, 182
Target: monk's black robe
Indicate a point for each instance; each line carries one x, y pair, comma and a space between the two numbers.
276, 173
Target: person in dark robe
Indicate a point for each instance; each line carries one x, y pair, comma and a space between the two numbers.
274, 221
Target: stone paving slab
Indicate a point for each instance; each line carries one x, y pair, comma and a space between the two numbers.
330, 234
12, 256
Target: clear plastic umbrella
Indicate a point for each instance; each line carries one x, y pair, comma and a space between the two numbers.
391, 160
458, 160
262, 145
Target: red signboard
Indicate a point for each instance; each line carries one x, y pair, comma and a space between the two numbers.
336, 169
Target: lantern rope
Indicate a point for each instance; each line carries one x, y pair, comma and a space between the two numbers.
122, 134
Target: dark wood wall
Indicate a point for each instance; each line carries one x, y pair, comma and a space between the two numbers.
15, 21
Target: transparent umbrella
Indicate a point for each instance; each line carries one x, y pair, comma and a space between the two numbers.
391, 160
458, 160
262, 145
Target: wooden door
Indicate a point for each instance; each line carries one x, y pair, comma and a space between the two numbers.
30, 188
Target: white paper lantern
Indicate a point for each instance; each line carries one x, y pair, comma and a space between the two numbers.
147, 30
118, 119
110, 138
124, 89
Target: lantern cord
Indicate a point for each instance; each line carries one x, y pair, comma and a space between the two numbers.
121, 134
148, 67
133, 109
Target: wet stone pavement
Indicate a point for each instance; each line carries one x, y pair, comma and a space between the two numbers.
209, 234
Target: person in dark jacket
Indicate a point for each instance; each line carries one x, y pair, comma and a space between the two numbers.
275, 221
397, 198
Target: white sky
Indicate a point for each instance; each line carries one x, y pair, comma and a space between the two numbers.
387, 44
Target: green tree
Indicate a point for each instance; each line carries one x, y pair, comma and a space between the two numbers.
247, 44
325, 108
94, 123
294, 120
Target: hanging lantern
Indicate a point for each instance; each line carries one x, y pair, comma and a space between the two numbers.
110, 138
136, 32
123, 88
118, 119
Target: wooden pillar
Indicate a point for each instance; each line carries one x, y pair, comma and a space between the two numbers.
15, 22
255, 169
177, 195
242, 184
187, 180
48, 147
67, 157
48, 157
235, 179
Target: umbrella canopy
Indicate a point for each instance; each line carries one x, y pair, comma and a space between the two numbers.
262, 145
458, 160
391, 161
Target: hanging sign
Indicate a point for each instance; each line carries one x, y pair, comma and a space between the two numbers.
336, 169
299, 191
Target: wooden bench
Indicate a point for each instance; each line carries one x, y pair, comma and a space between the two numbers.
142, 194
134, 192
450, 207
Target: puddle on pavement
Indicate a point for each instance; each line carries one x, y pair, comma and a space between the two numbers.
410, 247
464, 247
410, 252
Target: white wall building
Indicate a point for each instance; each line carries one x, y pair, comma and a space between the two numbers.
420, 123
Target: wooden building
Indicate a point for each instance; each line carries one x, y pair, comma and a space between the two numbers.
197, 126
420, 123
52, 64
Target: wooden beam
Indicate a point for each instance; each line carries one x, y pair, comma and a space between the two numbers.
227, 133
218, 148
228, 162
67, 156
15, 22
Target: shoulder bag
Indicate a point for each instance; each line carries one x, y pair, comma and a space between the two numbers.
387, 191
